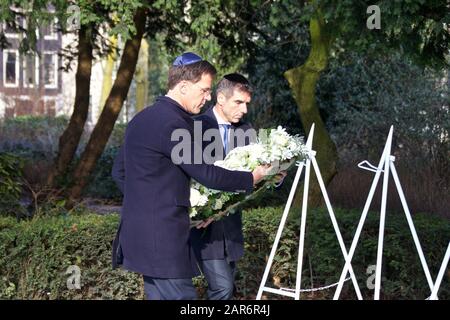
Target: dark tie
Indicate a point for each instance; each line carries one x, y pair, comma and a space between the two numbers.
225, 127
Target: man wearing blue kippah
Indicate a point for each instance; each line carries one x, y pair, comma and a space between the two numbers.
153, 235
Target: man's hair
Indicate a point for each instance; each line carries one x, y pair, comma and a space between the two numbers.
191, 72
233, 81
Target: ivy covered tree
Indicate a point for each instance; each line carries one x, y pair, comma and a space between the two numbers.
418, 28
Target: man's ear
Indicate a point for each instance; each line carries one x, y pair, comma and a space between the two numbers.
183, 87
221, 99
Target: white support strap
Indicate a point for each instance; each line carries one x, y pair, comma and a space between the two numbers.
366, 165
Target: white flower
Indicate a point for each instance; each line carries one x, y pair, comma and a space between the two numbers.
279, 139
244, 158
218, 204
197, 199
234, 162
192, 212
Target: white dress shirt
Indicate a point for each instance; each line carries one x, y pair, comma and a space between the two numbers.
221, 121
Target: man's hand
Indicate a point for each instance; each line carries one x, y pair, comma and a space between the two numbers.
204, 223
260, 172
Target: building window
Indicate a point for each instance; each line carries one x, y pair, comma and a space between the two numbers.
49, 30
50, 70
11, 32
11, 68
30, 71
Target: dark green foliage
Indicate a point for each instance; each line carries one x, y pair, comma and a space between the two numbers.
282, 43
414, 27
260, 227
10, 183
361, 98
272, 102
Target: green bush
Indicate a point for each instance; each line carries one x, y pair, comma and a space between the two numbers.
33, 137
10, 183
36, 254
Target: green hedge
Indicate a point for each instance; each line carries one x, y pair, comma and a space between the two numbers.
35, 255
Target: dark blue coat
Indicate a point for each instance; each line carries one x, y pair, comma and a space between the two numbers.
221, 239
153, 237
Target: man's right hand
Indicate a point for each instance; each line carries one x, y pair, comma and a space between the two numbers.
260, 172
205, 223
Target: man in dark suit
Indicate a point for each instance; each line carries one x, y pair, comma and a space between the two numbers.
153, 235
222, 243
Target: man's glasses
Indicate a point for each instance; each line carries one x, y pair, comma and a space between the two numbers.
203, 90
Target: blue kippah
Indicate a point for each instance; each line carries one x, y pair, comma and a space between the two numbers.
187, 58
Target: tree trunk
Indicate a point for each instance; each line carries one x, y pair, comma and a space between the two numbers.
142, 77
69, 140
302, 81
108, 71
108, 117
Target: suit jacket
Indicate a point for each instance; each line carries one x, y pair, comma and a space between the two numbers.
224, 238
153, 236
